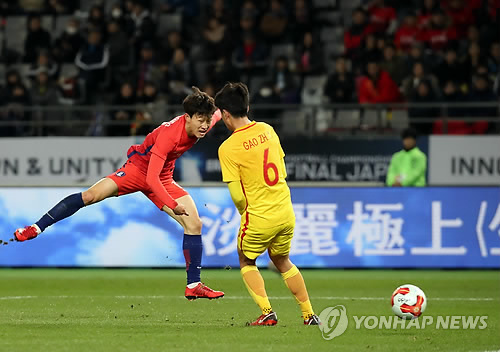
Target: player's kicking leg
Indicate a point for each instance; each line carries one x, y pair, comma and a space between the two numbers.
192, 247
295, 283
256, 287
68, 206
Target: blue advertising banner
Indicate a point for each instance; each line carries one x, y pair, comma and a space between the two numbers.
336, 227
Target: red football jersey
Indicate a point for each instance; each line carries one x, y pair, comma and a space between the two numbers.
169, 141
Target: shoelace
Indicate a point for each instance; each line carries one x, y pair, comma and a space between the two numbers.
205, 288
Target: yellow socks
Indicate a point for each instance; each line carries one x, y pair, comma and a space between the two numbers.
255, 285
295, 283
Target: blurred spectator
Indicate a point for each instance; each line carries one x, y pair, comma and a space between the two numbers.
221, 72
302, 19
250, 53
119, 49
394, 64
36, 39
247, 26
369, 52
69, 42
419, 74
274, 21
417, 54
216, 39
151, 111
438, 34
69, 90
408, 166
147, 68
209, 88
179, 77
174, 41
339, 87
44, 63
144, 27
309, 56
494, 58
16, 98
452, 94
472, 37
96, 20
43, 92
12, 79
382, 17
92, 60
249, 9
8, 7
482, 92
406, 34
356, 33
283, 81
450, 69
219, 10
189, 9
461, 15
126, 100
60, 7
473, 60
266, 95
377, 86
125, 22
423, 95
30, 6
425, 12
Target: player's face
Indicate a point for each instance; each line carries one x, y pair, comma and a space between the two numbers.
198, 125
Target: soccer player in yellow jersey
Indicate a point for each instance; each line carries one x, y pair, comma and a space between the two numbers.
253, 167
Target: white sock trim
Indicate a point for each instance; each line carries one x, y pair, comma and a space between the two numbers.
193, 284
37, 228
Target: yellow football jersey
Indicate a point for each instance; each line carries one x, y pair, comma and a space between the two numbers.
253, 156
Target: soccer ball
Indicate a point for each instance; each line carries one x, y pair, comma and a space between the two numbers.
408, 301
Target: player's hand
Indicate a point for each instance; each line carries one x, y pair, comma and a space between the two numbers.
180, 210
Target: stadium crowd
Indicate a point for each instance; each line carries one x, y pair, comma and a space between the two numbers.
145, 55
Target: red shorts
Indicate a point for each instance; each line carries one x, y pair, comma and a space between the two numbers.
131, 179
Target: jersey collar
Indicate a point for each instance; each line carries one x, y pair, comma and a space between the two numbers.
242, 128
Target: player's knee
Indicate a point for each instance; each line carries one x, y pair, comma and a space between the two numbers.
282, 262
88, 197
194, 226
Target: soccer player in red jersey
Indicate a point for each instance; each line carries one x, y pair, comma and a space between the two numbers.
149, 169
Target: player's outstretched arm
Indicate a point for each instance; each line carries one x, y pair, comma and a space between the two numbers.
237, 196
216, 117
153, 181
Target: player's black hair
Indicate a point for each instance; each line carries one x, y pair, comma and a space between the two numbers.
409, 133
199, 102
234, 98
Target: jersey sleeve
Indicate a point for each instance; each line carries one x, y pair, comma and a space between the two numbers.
230, 169
165, 143
216, 117
153, 180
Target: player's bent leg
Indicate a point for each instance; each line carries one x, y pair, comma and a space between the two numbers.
192, 247
67, 207
101, 190
295, 282
255, 285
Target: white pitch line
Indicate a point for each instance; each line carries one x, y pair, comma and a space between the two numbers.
329, 298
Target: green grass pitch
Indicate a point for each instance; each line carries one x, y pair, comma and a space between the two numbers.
144, 310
